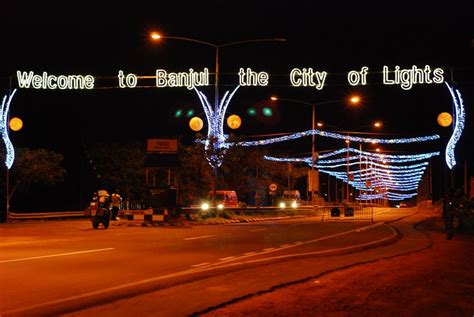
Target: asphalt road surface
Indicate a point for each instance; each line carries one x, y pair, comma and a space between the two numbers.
66, 267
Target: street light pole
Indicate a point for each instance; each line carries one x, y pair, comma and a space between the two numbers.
360, 174
214, 119
216, 102
353, 100
313, 158
347, 172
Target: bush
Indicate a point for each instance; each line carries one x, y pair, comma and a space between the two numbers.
226, 214
204, 214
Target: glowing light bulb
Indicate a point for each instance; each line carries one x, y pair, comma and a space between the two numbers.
155, 36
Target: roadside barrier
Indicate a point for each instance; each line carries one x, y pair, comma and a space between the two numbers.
145, 215
46, 215
347, 212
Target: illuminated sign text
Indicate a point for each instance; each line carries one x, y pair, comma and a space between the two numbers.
307, 77
249, 77
45, 81
407, 77
189, 79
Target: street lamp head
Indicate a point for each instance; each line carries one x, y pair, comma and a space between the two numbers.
378, 124
320, 124
274, 98
355, 100
155, 36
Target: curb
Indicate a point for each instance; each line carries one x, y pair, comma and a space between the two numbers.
141, 223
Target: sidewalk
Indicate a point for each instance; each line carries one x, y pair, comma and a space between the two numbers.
436, 281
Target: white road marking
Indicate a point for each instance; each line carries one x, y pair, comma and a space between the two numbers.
254, 230
384, 210
227, 258
200, 264
221, 265
201, 237
55, 255
288, 246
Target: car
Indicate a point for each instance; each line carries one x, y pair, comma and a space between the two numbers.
401, 205
223, 199
290, 198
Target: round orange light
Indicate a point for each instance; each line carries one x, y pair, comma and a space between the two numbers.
155, 35
234, 121
355, 99
445, 119
16, 124
196, 124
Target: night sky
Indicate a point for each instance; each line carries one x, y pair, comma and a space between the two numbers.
102, 37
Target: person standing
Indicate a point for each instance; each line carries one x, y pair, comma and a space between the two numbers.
116, 200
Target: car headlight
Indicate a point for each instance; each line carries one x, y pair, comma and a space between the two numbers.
282, 205
205, 206
220, 206
294, 204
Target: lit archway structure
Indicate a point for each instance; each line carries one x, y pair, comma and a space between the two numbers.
4, 109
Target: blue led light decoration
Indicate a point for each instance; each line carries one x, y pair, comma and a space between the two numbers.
337, 136
373, 156
215, 144
5, 107
387, 180
459, 119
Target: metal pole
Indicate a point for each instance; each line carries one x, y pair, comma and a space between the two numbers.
8, 196
289, 170
7, 189
257, 195
367, 173
329, 188
465, 177
216, 108
360, 173
430, 185
313, 201
347, 172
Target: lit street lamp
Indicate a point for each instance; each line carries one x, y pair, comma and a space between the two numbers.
354, 100
215, 116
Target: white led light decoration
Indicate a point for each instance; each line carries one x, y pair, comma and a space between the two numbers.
337, 136
458, 126
5, 107
376, 156
216, 140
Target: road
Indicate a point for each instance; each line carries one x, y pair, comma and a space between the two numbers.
66, 267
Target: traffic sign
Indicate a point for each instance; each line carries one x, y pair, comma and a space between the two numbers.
273, 187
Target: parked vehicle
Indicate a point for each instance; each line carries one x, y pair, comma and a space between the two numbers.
223, 199
290, 198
